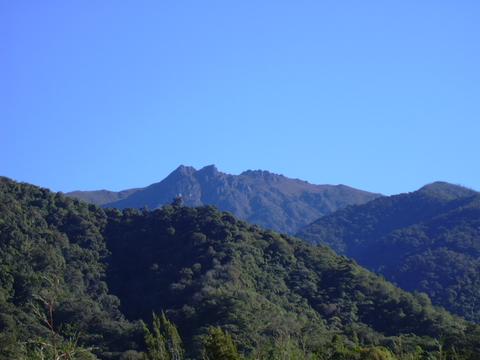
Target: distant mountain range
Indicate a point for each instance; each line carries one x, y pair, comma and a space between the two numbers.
101, 197
260, 197
427, 240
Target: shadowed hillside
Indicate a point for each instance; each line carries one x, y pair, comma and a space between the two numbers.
428, 241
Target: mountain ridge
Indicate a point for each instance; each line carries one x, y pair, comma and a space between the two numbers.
427, 240
270, 200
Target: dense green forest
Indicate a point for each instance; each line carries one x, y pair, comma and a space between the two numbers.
428, 241
80, 282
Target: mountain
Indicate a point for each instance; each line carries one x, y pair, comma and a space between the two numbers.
89, 270
101, 197
260, 197
427, 240
52, 255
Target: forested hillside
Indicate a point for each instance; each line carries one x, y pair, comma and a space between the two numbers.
260, 197
52, 254
427, 241
74, 271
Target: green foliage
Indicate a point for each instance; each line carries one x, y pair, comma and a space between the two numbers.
53, 345
218, 345
377, 353
275, 296
163, 342
282, 347
155, 341
52, 247
426, 241
44, 349
212, 270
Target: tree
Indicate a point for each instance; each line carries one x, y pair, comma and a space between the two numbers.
163, 342
218, 345
53, 346
377, 353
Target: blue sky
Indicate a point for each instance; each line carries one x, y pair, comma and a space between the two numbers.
383, 96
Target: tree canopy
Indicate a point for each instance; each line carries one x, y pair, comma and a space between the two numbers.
219, 285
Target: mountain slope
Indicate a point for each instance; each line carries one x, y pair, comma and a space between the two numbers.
272, 201
203, 268
428, 241
207, 268
52, 251
101, 197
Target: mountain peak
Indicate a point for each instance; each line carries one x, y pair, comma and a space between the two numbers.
445, 190
264, 198
209, 169
184, 170
260, 173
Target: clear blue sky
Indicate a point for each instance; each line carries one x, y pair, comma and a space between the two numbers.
380, 95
